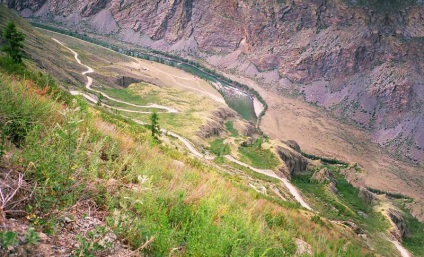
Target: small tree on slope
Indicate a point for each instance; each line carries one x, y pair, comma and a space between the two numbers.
14, 42
154, 118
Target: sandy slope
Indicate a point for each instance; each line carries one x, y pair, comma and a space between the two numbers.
186, 142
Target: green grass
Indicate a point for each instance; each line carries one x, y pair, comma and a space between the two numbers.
258, 157
345, 205
219, 148
70, 151
251, 173
414, 240
229, 125
126, 95
178, 207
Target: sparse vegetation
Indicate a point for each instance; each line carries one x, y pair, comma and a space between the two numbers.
384, 5
345, 205
65, 149
414, 239
219, 148
258, 157
176, 61
155, 198
229, 125
325, 160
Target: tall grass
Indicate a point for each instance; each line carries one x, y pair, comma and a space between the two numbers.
72, 152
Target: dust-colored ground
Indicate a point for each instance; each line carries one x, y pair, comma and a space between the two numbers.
320, 134
287, 118
113, 66
195, 99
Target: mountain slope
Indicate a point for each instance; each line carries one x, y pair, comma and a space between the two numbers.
95, 183
360, 62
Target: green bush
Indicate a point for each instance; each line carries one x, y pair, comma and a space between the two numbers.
258, 157
219, 148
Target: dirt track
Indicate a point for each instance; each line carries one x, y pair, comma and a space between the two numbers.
185, 141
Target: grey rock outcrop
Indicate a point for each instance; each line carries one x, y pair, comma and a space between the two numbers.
397, 218
366, 195
325, 176
216, 125
294, 161
294, 145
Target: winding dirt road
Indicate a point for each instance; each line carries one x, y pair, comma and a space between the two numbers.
292, 189
92, 99
185, 141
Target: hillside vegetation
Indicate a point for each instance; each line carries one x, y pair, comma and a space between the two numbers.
77, 179
71, 154
75, 162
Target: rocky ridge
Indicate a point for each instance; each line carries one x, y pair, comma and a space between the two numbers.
356, 61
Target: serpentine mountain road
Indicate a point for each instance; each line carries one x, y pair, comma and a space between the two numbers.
185, 141
292, 189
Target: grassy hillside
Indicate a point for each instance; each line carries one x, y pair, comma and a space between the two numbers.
87, 182
79, 162
70, 154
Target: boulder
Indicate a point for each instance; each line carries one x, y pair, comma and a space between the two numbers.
303, 248
216, 126
366, 195
211, 129
358, 230
400, 230
293, 145
294, 161
323, 176
249, 130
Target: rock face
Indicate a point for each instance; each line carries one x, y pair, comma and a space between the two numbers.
216, 126
126, 81
366, 195
294, 161
363, 63
397, 218
294, 145
325, 176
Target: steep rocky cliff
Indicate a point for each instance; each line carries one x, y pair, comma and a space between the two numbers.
364, 63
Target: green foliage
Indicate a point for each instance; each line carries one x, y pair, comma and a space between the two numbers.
2, 141
42, 81
414, 239
258, 157
324, 160
14, 42
55, 160
154, 125
8, 238
229, 125
345, 205
31, 237
19, 111
219, 148
200, 230
389, 194
90, 245
317, 219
